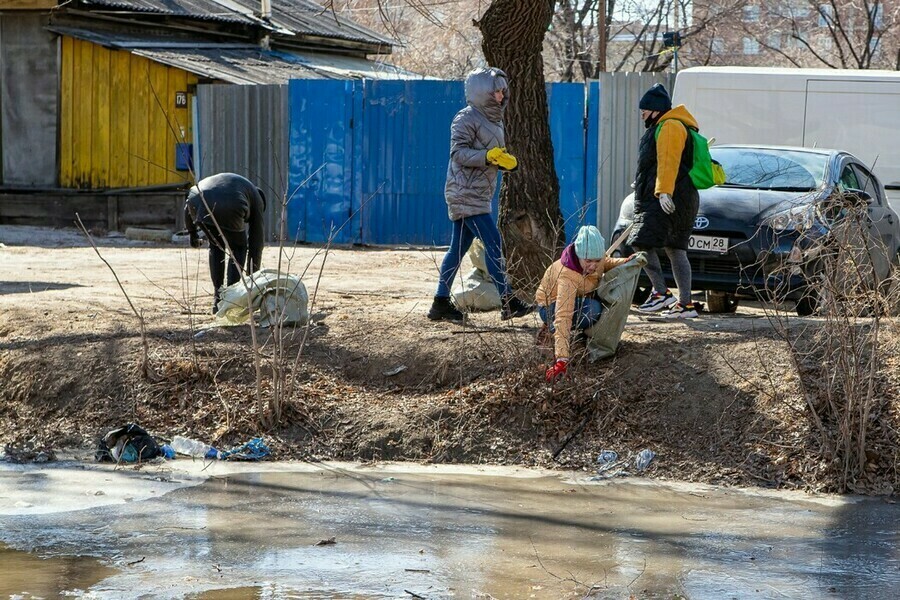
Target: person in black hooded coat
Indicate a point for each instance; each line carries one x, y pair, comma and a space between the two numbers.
665, 200
230, 211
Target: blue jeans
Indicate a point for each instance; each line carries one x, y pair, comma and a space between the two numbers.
587, 312
465, 230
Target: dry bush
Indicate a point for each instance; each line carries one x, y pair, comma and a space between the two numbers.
844, 356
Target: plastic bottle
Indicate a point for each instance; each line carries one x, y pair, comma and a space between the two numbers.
183, 445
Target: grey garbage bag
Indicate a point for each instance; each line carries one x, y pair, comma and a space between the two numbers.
279, 297
477, 290
616, 291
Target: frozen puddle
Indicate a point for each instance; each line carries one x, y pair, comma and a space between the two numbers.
285, 530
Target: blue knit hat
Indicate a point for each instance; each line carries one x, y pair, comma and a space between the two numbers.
589, 243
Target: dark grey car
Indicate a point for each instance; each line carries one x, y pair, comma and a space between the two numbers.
770, 207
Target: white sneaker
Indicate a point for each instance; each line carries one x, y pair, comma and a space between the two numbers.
682, 311
657, 302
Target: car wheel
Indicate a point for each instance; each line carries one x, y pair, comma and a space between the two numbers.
721, 302
808, 304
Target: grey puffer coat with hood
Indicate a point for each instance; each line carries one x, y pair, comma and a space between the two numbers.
477, 128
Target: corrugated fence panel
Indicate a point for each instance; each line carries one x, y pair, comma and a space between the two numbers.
376, 152
323, 205
406, 144
620, 133
567, 133
245, 130
591, 151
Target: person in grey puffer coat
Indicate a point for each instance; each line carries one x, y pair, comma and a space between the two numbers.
477, 154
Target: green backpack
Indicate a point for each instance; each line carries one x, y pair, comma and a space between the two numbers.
705, 172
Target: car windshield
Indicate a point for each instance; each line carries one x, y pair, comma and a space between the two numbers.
766, 169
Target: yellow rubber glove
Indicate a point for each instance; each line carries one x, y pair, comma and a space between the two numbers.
499, 157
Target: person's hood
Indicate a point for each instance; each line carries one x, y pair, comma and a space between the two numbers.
680, 113
480, 84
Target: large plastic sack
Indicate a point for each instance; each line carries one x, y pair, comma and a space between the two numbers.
477, 290
279, 298
615, 293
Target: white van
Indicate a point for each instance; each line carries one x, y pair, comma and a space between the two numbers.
855, 111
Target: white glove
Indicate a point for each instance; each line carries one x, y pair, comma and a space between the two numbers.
667, 204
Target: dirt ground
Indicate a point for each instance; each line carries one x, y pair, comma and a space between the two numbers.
716, 398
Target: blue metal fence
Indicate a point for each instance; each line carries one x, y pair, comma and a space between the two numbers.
368, 159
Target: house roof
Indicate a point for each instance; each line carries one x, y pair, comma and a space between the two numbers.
239, 63
289, 17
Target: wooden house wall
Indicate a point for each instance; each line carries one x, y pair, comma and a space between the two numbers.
118, 119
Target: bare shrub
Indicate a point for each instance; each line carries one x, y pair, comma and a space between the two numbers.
842, 352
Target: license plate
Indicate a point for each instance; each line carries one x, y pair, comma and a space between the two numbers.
708, 243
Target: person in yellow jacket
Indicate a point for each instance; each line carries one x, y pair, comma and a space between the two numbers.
564, 297
665, 201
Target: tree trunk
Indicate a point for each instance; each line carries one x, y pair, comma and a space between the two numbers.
530, 220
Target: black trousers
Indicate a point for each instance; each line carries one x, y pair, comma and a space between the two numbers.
218, 257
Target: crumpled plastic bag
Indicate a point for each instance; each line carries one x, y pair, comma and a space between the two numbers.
615, 292
477, 291
279, 298
255, 449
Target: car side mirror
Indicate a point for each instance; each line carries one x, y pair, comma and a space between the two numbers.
859, 196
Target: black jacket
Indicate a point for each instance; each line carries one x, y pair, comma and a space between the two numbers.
653, 228
234, 204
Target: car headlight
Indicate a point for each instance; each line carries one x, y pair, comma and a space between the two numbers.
799, 218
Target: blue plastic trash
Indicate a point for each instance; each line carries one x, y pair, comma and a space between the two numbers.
255, 449
642, 460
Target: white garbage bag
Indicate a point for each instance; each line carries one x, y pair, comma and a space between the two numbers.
477, 291
279, 298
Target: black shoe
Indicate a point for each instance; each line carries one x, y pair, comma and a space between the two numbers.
513, 307
443, 310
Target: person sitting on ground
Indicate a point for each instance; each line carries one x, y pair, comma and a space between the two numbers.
224, 207
477, 153
565, 296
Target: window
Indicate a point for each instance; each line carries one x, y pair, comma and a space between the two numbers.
774, 41
868, 183
751, 14
848, 179
826, 15
799, 8
751, 46
875, 46
771, 169
877, 15
780, 9
718, 45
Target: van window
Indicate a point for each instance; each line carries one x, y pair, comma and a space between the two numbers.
763, 169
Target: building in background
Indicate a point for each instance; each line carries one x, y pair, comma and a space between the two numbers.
799, 33
99, 95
